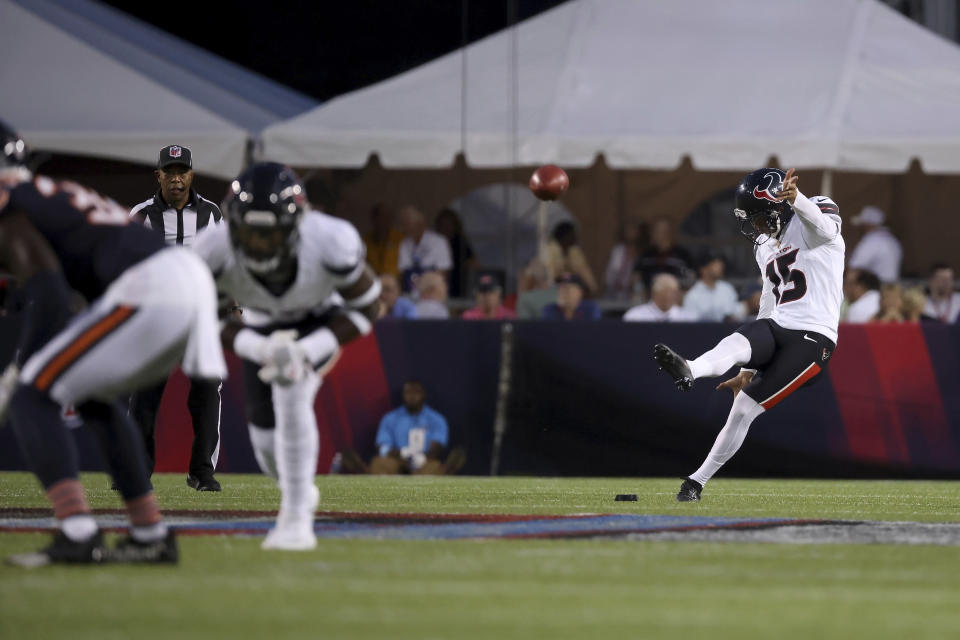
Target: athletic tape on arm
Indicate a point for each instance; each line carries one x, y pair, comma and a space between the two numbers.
366, 298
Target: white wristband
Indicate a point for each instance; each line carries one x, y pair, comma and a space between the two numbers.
248, 344
319, 345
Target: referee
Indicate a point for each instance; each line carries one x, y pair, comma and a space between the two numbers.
177, 212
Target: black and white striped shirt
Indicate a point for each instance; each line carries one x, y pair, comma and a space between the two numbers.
177, 226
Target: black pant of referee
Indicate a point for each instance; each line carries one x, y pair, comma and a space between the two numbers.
203, 402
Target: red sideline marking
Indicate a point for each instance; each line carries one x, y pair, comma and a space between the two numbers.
34, 512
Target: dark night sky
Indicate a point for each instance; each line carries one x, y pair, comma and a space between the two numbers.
326, 48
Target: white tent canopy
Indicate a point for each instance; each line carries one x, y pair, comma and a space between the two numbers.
78, 77
839, 84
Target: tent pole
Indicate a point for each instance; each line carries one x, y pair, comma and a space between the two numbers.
826, 183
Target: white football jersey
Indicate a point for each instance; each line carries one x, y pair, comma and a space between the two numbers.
330, 256
803, 273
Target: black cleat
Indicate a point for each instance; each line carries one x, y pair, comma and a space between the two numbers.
63, 550
131, 551
674, 365
689, 491
203, 484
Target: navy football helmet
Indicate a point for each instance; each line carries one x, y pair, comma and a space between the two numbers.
757, 207
264, 207
13, 152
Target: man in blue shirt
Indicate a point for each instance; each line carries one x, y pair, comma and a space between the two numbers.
411, 438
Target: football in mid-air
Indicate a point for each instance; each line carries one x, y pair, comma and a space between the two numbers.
549, 182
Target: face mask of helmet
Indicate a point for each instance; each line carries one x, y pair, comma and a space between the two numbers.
759, 223
263, 243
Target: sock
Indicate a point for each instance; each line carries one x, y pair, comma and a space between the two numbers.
68, 499
149, 533
732, 350
264, 449
743, 412
79, 527
143, 511
297, 445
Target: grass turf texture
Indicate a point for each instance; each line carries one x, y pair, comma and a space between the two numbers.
227, 587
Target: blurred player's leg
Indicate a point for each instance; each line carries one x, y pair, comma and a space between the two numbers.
297, 446
144, 406
258, 399
50, 452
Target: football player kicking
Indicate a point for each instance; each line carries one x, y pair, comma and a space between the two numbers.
305, 289
800, 251
58, 235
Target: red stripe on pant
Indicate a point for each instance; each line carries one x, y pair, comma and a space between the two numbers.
798, 382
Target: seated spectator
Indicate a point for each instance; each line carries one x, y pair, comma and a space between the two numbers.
711, 298
489, 301
664, 255
411, 439
943, 303
891, 303
383, 240
432, 299
421, 250
570, 304
914, 302
447, 224
564, 255
620, 281
750, 303
393, 304
664, 305
878, 251
535, 291
862, 291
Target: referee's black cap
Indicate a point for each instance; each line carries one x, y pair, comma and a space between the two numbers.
174, 154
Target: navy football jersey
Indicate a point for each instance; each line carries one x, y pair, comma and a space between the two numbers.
89, 233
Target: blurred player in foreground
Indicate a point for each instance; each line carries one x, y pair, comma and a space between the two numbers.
58, 235
800, 251
292, 270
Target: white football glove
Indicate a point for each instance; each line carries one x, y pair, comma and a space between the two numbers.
285, 362
8, 385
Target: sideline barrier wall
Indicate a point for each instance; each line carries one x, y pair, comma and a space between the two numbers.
586, 399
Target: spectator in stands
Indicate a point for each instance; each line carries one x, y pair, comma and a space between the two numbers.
432, 297
712, 298
664, 305
750, 303
421, 250
564, 255
878, 251
178, 213
620, 280
891, 303
862, 291
411, 439
570, 304
489, 301
664, 255
394, 305
383, 240
535, 291
447, 224
943, 303
914, 302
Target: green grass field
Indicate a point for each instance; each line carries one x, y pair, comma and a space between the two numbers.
227, 587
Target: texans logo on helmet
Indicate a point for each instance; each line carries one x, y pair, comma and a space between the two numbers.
766, 194
174, 151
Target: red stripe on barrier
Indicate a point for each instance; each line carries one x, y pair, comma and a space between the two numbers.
856, 385
911, 393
